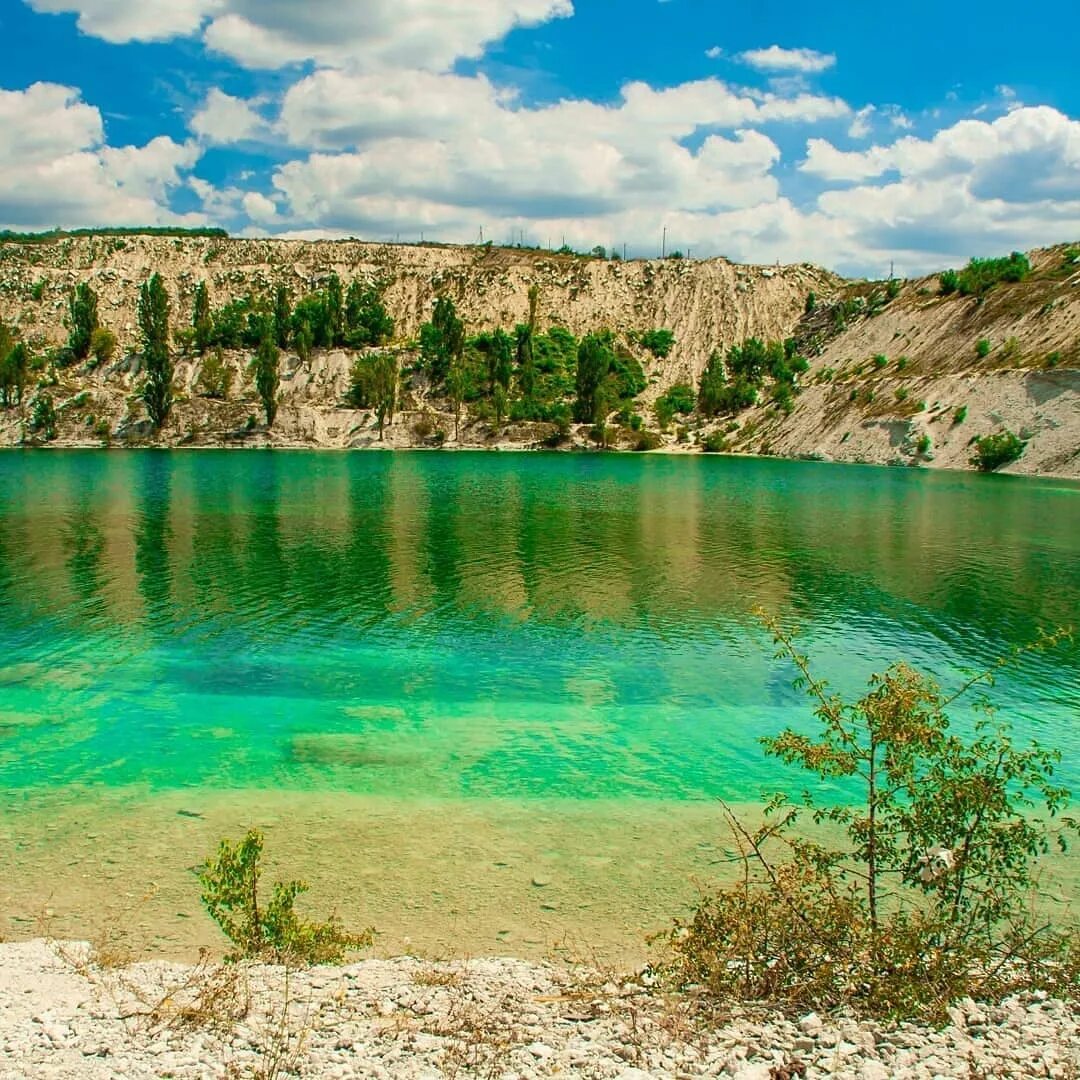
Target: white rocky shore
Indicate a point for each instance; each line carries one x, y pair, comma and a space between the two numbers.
61, 1016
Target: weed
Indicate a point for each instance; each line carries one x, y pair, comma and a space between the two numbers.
230, 883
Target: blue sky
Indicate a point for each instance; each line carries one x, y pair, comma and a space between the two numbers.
839, 133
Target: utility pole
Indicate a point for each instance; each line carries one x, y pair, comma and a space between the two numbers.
892, 269
663, 245
481, 235
624, 251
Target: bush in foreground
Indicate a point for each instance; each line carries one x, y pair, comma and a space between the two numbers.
925, 897
274, 932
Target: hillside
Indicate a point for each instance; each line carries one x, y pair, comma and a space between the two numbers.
846, 406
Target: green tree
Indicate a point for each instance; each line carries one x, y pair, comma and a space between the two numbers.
442, 341
267, 376
14, 366
102, 345
993, 452
202, 322
374, 385
282, 316
367, 321
153, 313
335, 311
43, 417
594, 362
82, 320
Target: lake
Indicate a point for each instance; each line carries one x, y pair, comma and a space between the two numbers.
484, 701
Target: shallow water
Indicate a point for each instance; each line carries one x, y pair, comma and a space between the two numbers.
405, 655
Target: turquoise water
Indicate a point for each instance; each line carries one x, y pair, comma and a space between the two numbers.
476, 627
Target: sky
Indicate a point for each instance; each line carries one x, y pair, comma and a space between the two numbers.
863, 137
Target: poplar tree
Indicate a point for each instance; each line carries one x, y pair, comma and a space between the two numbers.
201, 320
82, 320
153, 314
267, 376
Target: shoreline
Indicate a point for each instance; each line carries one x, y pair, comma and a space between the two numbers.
665, 452
65, 1017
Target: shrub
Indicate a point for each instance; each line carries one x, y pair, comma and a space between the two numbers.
982, 349
902, 394
993, 452
925, 897
960, 415
982, 274
82, 320
715, 443
949, 282
658, 342
43, 417
272, 932
1053, 359
923, 445
892, 290
215, 377
1072, 256
902, 363
880, 361
102, 345
811, 303
648, 440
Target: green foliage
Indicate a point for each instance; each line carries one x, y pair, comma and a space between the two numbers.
266, 369
993, 452
202, 322
8, 236
82, 320
43, 417
272, 932
102, 346
923, 446
960, 415
892, 289
14, 368
282, 316
153, 312
1053, 359
442, 341
924, 895
902, 363
982, 349
1072, 257
658, 342
715, 443
366, 319
215, 377
646, 441
679, 398
594, 362
374, 385
881, 361
980, 275
811, 303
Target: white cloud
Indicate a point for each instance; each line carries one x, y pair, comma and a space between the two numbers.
409, 151
259, 208
366, 35
714, 53
223, 119
861, 126
133, 20
775, 58
55, 168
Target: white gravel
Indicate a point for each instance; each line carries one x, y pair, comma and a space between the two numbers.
63, 1018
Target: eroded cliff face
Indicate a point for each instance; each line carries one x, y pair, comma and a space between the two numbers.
850, 407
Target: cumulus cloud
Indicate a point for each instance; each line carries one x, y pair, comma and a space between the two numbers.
133, 20
775, 58
55, 168
223, 119
363, 34
410, 151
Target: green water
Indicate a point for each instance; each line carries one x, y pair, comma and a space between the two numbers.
471, 627
434, 680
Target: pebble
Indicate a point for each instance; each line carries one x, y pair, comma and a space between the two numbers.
510, 1019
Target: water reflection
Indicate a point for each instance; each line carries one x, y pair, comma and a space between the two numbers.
577, 622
